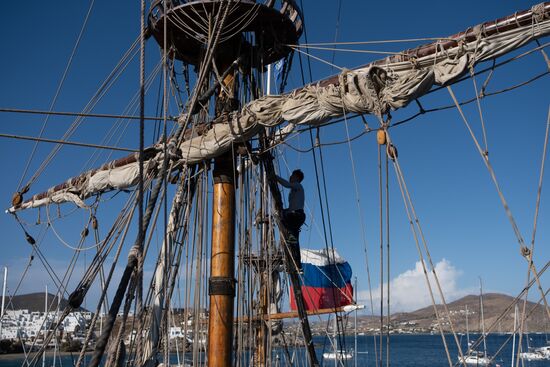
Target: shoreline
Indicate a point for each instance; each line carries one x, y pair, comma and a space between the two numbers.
11, 356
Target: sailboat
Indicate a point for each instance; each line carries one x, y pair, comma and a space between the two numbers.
532, 353
201, 206
473, 356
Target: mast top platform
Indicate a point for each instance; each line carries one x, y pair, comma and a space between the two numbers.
264, 29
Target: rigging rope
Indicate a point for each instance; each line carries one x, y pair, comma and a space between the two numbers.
523, 249
381, 256
318, 59
111, 78
297, 48
374, 42
388, 273
539, 188
140, 194
336, 28
80, 114
363, 232
65, 142
418, 233
529, 255
59, 86
478, 101
75, 299
78, 248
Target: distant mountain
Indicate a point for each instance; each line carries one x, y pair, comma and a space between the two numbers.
494, 304
35, 302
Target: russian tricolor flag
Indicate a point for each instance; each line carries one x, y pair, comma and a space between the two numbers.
326, 282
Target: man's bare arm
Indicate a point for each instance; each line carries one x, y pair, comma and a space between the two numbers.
283, 182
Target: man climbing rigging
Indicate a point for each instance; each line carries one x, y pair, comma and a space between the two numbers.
294, 216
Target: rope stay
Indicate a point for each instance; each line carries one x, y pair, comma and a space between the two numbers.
57, 92
418, 236
525, 252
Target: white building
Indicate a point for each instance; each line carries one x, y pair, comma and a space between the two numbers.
24, 324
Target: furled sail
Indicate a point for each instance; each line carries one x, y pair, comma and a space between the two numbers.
116, 175
326, 282
376, 88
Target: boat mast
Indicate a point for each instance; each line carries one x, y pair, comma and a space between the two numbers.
212, 48
467, 330
3, 299
221, 285
337, 353
45, 326
514, 336
355, 289
482, 318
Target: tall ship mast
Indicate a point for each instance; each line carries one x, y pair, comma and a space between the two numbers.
203, 207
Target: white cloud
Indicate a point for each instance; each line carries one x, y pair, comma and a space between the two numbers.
409, 291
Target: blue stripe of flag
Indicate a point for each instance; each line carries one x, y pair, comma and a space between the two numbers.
328, 276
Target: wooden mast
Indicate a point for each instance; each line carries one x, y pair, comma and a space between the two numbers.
221, 285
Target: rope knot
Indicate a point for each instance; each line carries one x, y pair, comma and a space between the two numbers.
16, 199
413, 59
461, 49
477, 31
525, 252
343, 84
539, 12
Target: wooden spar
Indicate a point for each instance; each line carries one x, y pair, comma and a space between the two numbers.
221, 286
510, 22
293, 314
489, 28
148, 153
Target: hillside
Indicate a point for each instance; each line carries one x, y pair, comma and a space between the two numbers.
35, 302
494, 305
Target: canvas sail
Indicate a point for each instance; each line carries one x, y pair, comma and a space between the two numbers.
376, 88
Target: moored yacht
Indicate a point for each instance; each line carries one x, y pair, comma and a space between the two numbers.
475, 358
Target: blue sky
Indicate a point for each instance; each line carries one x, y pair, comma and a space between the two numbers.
467, 231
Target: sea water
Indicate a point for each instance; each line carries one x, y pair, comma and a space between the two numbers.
429, 351
404, 351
